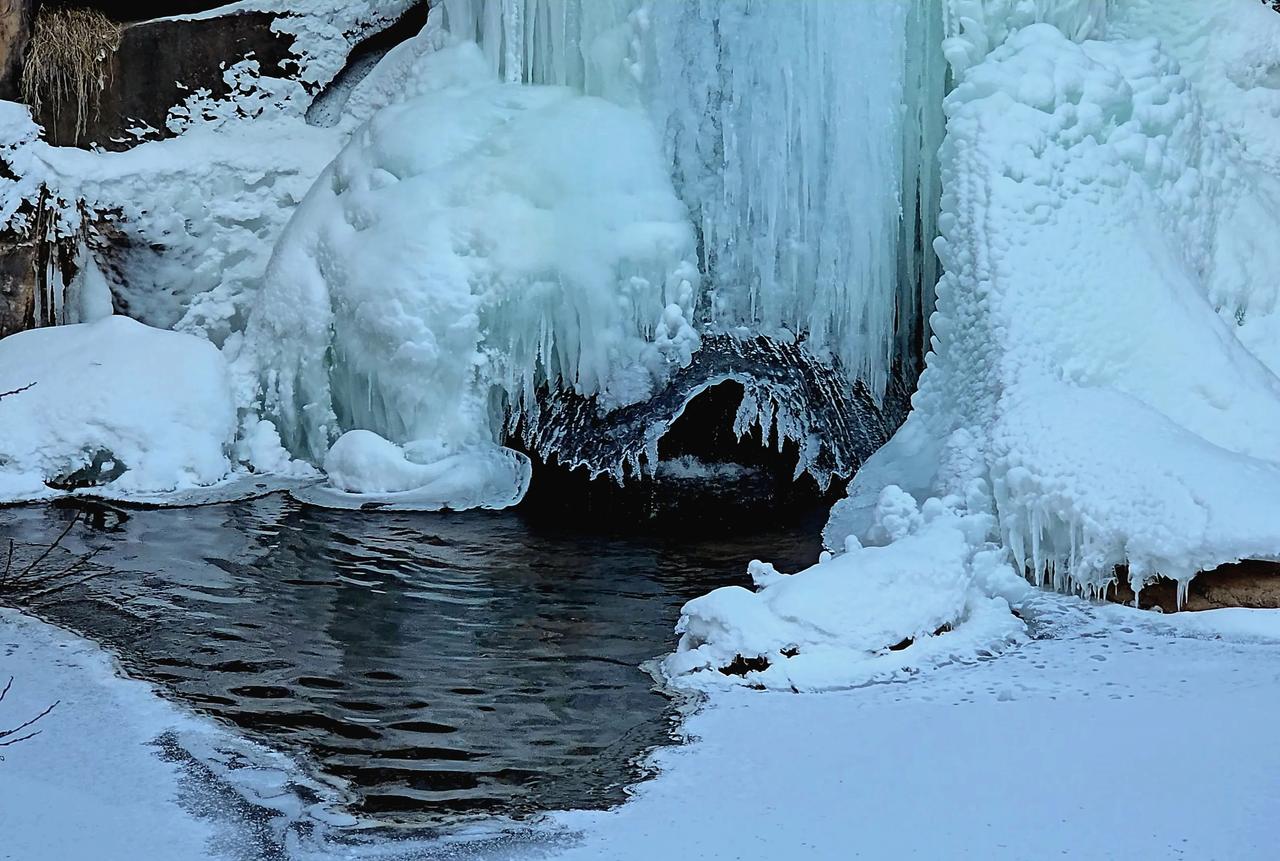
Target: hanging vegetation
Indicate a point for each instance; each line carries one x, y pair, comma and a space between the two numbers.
67, 64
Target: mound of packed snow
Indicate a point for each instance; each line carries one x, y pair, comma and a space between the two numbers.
114, 404
471, 243
934, 593
365, 470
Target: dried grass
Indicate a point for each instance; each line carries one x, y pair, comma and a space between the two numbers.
67, 62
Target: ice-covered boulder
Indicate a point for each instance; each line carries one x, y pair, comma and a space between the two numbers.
471, 243
113, 404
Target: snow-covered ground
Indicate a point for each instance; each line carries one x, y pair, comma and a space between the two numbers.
1112, 734
118, 774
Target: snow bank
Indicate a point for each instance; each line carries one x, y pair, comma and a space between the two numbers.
472, 242
933, 595
112, 404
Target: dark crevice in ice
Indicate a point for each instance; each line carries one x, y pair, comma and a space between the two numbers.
789, 396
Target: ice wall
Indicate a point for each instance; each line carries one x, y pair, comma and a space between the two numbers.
785, 124
1106, 319
799, 135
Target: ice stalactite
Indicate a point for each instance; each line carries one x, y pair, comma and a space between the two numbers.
785, 125
802, 137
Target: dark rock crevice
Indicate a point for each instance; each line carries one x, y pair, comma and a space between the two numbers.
753, 430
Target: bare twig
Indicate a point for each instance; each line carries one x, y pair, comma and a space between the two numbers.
11, 736
5, 734
17, 391
43, 556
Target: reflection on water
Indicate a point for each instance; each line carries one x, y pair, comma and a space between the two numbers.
443, 664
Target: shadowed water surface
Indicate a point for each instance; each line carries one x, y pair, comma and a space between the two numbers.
443, 664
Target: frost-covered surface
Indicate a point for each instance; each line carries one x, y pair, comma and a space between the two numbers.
422, 290
114, 398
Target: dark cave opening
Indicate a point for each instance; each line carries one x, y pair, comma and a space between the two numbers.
707, 479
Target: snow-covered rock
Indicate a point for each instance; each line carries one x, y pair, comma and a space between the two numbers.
472, 242
114, 404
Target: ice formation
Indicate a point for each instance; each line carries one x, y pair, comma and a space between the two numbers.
423, 290
540, 210
788, 396
1091, 391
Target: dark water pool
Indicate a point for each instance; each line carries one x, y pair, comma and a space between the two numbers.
444, 665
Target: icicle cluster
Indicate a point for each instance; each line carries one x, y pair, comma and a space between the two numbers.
802, 136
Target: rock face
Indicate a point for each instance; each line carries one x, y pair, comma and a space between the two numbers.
158, 64
15, 29
18, 264
1252, 584
143, 10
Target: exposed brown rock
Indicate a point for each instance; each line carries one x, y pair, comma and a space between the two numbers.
19, 257
15, 29
158, 64
1253, 584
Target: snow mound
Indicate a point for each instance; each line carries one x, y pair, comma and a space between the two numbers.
933, 594
366, 471
470, 245
112, 404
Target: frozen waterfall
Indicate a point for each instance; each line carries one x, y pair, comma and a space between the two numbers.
601, 184
799, 135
